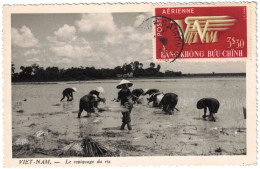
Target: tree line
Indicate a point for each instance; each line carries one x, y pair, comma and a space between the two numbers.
36, 73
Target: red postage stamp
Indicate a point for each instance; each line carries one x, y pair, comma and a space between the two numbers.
201, 32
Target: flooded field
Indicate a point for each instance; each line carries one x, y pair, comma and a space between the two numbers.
47, 126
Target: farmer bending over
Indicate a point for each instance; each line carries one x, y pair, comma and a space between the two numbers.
210, 103
90, 102
137, 95
97, 92
68, 92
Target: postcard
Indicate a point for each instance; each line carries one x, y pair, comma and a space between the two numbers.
130, 84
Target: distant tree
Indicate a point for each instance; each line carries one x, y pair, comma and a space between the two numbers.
40, 74
13, 69
158, 67
26, 73
37, 73
35, 68
129, 68
52, 73
140, 66
124, 67
118, 70
13, 74
132, 65
152, 65
136, 65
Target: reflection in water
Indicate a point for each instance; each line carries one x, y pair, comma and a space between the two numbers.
80, 129
17, 105
67, 106
87, 125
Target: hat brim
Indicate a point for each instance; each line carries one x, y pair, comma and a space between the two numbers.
120, 86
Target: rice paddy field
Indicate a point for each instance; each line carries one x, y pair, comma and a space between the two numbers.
42, 126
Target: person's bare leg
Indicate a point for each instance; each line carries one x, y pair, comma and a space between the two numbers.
80, 108
68, 97
129, 126
122, 126
71, 95
124, 121
88, 114
62, 98
128, 119
169, 110
80, 111
212, 118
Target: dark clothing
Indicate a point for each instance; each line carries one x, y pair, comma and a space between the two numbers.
126, 117
95, 93
151, 91
137, 92
124, 96
68, 92
87, 103
153, 98
169, 101
210, 103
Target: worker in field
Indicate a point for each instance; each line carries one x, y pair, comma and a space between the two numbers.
125, 97
138, 95
212, 104
90, 101
99, 90
68, 92
168, 102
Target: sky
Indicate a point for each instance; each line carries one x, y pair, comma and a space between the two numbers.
102, 40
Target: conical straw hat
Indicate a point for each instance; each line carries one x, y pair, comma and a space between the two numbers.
74, 88
100, 90
146, 90
159, 98
124, 82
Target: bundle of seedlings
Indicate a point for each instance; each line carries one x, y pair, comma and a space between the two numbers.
93, 148
23, 143
27, 146
73, 149
88, 148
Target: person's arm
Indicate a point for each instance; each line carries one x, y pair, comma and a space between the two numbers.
205, 111
71, 94
132, 95
92, 103
95, 104
97, 94
99, 97
118, 97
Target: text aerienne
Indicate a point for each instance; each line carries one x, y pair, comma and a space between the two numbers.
178, 11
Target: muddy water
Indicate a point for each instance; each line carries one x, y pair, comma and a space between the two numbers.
38, 107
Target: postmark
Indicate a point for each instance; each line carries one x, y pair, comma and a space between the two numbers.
169, 37
97, 53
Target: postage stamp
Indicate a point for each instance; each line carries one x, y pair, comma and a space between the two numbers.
209, 32
130, 84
